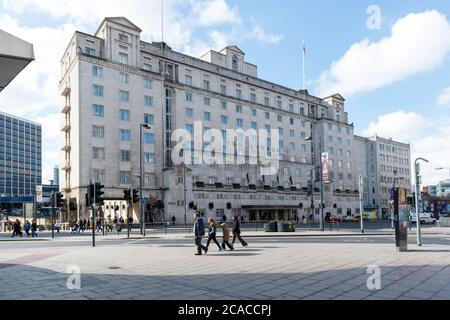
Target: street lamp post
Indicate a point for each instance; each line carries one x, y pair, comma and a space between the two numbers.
141, 176
322, 227
361, 200
417, 172
392, 218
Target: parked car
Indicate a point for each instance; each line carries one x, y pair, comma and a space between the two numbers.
336, 219
425, 218
348, 219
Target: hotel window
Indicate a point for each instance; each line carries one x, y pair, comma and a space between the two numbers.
240, 123
280, 118
340, 152
123, 37
148, 101
124, 96
223, 89
190, 128
98, 110
303, 124
291, 121
339, 129
124, 78
148, 119
149, 180
149, 138
125, 177
98, 153
348, 142
331, 150
223, 105
303, 135
349, 153
302, 111
266, 101
339, 139
267, 127
280, 131
147, 67
97, 71
279, 104
206, 85
303, 148
98, 131
97, 90
125, 135
207, 116
148, 84
188, 80
347, 131
254, 126
224, 120
149, 157
124, 155
340, 164
238, 93
123, 58
124, 115
239, 109
253, 97
98, 175
292, 146
253, 112
291, 108
267, 115
89, 51
188, 97
349, 165
206, 101
292, 133
189, 112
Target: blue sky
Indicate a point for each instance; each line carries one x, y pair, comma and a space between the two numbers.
413, 106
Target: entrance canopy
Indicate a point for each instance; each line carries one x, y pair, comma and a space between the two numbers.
15, 55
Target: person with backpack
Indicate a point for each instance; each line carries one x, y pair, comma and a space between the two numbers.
199, 231
27, 227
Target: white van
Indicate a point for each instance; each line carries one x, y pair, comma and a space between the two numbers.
425, 218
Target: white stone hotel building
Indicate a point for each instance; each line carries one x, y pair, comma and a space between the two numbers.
112, 83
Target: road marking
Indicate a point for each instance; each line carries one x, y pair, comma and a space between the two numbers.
133, 242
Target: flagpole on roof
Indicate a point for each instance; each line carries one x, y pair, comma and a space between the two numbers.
304, 72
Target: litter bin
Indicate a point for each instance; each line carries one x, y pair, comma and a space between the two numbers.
286, 227
271, 226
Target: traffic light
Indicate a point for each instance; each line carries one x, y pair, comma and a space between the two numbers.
410, 201
136, 196
99, 194
59, 200
90, 195
127, 195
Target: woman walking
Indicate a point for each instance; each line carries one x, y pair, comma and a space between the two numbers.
212, 232
33, 229
226, 237
237, 232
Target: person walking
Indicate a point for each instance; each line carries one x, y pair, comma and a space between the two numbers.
212, 232
226, 237
199, 231
17, 229
34, 229
174, 219
237, 232
27, 227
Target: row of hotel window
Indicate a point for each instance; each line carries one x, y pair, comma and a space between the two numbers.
124, 78
124, 115
98, 175
394, 169
393, 149
98, 153
124, 96
123, 58
239, 95
392, 159
124, 134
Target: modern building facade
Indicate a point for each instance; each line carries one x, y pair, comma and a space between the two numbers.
112, 83
20, 159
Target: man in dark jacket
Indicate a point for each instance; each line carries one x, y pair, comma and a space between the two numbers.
199, 231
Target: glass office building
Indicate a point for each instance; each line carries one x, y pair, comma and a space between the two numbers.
20, 160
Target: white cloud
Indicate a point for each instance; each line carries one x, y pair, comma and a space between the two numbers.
418, 42
444, 98
213, 13
428, 138
401, 126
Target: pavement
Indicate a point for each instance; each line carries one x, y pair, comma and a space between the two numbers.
271, 268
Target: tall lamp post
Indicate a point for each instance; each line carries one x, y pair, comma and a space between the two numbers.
361, 200
392, 214
417, 172
439, 169
142, 127
322, 226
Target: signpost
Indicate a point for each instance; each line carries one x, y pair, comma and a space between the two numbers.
401, 219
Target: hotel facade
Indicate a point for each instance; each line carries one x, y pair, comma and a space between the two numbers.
112, 82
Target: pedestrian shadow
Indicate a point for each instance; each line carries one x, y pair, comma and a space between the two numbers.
232, 254
428, 250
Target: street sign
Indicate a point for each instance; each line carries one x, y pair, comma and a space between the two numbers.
39, 194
